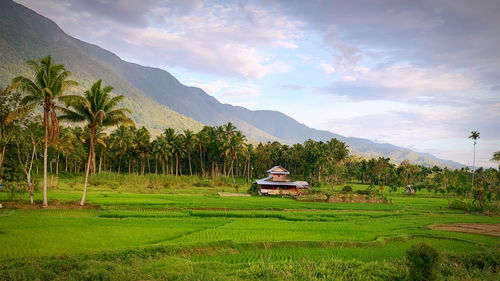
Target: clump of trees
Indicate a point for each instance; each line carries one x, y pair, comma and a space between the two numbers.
98, 135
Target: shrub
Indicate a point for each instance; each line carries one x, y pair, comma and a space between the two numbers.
364, 192
253, 190
347, 189
422, 261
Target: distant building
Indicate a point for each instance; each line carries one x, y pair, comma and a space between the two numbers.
278, 183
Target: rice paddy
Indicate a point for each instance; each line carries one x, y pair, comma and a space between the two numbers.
193, 230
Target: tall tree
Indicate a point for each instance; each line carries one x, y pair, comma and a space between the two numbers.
202, 141
496, 158
188, 138
27, 139
235, 144
474, 135
10, 111
141, 145
121, 141
99, 110
49, 83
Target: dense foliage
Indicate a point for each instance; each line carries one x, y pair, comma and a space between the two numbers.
218, 151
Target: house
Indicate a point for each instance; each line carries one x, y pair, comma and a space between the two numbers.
278, 183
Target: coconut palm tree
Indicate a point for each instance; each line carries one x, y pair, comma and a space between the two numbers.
202, 141
162, 151
49, 83
141, 145
99, 110
121, 140
474, 135
188, 139
170, 138
236, 143
496, 158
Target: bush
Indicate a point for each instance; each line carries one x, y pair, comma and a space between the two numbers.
253, 190
347, 189
422, 261
364, 192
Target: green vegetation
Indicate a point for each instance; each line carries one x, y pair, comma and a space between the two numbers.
423, 261
179, 231
145, 218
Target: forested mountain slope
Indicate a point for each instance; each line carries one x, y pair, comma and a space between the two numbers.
26, 35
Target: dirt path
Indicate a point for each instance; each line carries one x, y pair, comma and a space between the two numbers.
484, 229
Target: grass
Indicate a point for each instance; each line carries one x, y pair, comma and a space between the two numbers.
161, 227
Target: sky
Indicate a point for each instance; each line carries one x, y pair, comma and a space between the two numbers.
417, 74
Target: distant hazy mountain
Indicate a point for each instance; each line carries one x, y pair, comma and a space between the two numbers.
158, 99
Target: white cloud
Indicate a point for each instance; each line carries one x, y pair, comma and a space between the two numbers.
344, 55
328, 69
285, 44
210, 88
240, 91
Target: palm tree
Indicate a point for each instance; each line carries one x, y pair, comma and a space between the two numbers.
141, 145
49, 83
496, 158
98, 109
170, 138
201, 141
474, 135
162, 150
121, 139
236, 144
188, 138
178, 150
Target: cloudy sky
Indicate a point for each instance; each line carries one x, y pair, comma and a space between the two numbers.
419, 74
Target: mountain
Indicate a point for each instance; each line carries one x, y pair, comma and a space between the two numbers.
158, 99
26, 35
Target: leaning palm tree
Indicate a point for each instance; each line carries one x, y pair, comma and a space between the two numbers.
98, 109
474, 135
49, 83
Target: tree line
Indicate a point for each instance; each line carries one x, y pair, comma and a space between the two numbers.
98, 135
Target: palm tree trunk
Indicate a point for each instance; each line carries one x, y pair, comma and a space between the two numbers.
91, 155
473, 164
45, 156
2, 155
201, 163
119, 164
100, 162
149, 164
82, 202
189, 160
176, 164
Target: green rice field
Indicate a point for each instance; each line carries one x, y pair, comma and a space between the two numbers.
191, 233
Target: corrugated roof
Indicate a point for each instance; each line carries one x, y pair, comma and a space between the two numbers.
299, 184
284, 172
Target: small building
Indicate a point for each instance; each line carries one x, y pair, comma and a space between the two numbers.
278, 183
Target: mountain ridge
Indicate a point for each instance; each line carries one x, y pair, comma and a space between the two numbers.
157, 97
